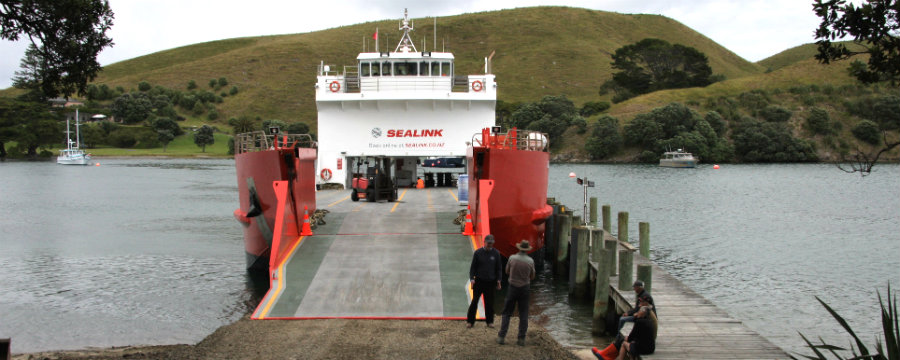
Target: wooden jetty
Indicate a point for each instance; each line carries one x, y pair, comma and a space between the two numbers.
690, 326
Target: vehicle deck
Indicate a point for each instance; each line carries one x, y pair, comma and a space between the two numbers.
390, 260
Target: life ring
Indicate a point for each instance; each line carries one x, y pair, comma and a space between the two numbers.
334, 86
477, 85
325, 174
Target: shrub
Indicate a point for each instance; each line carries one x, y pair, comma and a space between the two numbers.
222, 82
144, 86
212, 115
591, 108
605, 139
818, 122
213, 83
233, 91
191, 85
886, 112
643, 131
580, 124
648, 157
298, 128
121, 139
775, 113
868, 131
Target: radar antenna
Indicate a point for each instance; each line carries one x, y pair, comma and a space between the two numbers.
406, 43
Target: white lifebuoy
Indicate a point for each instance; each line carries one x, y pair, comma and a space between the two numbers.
325, 174
334, 86
477, 85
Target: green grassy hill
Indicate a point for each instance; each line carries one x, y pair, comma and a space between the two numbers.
539, 51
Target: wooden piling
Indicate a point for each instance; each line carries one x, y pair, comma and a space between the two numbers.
579, 258
626, 269
601, 297
610, 246
645, 274
607, 218
562, 244
644, 229
596, 245
623, 226
593, 217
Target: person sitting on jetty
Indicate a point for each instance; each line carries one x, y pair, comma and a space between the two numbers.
640, 293
640, 341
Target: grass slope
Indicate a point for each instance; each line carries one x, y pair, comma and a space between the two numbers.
540, 51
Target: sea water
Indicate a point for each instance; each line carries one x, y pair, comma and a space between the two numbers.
146, 251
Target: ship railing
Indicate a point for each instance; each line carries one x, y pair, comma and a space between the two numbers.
260, 141
513, 139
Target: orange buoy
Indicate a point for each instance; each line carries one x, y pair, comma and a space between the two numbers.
716, 167
571, 174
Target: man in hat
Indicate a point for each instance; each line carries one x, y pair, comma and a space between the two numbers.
641, 295
520, 269
484, 275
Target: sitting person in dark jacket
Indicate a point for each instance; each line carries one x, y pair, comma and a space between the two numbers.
640, 341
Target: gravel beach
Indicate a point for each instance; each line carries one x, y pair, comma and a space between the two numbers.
340, 339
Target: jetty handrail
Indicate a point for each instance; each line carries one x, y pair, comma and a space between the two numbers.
513, 139
259, 141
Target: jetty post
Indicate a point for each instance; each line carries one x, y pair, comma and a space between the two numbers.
610, 262
578, 264
562, 243
644, 230
601, 295
607, 219
626, 268
593, 211
645, 274
623, 226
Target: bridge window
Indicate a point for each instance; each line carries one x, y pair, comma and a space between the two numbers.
406, 69
386, 68
364, 68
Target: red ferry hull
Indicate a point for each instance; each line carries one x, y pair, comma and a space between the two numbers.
517, 205
255, 173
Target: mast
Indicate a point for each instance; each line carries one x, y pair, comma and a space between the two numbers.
77, 133
406, 42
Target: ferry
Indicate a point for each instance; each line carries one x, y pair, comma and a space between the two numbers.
389, 119
678, 159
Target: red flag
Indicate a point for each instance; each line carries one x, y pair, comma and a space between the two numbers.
375, 36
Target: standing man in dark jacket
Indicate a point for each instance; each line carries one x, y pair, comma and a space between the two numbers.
484, 276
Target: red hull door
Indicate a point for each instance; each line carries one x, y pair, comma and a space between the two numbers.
517, 205
256, 171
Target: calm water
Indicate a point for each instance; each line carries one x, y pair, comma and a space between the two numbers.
761, 241
144, 251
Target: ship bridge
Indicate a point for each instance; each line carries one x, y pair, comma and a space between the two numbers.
405, 104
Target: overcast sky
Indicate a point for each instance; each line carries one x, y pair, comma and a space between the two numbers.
753, 29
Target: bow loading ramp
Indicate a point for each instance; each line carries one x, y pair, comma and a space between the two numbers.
385, 260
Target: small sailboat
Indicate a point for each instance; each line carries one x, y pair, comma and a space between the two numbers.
72, 154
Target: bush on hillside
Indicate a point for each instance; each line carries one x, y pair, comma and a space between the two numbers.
298, 128
775, 113
818, 122
268, 124
868, 131
592, 108
605, 139
222, 82
191, 85
886, 112
580, 125
648, 157
144, 86
758, 141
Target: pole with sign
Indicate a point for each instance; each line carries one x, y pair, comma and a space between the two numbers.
584, 185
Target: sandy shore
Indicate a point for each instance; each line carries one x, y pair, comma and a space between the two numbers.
340, 339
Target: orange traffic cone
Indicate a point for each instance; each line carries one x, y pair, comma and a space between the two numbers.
307, 230
468, 229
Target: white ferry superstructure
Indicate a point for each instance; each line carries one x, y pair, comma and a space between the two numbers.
404, 104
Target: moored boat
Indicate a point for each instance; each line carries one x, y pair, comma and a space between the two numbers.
72, 154
260, 160
508, 174
678, 159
